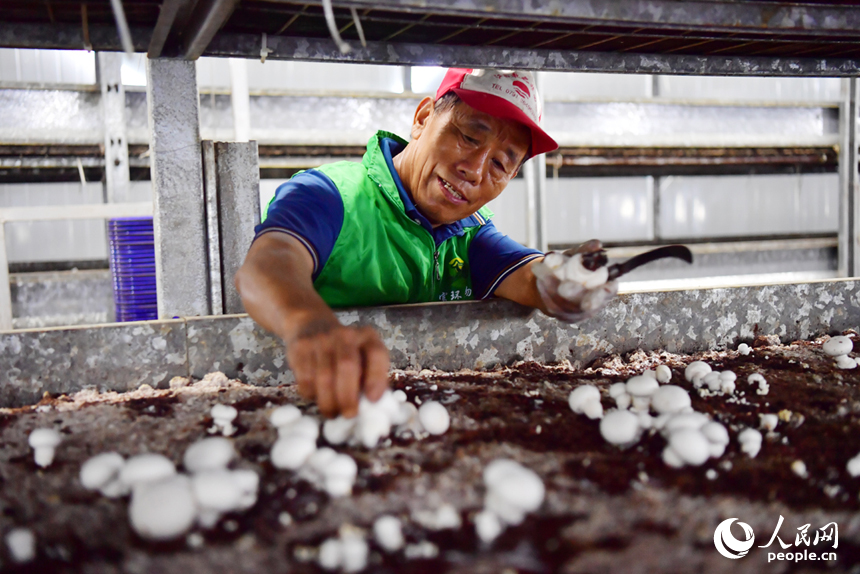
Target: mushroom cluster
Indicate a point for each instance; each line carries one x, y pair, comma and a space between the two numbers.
701, 375
691, 437
838, 348
348, 552
376, 419
166, 504
570, 271
512, 491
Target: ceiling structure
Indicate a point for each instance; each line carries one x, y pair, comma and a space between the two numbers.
650, 36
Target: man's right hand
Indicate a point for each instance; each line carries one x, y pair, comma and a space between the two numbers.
334, 365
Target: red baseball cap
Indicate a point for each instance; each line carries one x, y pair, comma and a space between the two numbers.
503, 94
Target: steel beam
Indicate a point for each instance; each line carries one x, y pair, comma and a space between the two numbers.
719, 16
324, 50
115, 137
179, 220
238, 211
208, 17
166, 18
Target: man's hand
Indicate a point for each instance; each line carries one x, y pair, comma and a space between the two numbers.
333, 364
569, 300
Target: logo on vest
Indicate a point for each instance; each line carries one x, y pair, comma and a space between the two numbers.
456, 264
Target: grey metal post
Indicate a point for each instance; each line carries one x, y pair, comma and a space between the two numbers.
113, 112
653, 183
213, 234
5, 289
849, 218
181, 265
238, 211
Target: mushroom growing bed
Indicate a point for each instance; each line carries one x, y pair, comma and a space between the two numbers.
605, 509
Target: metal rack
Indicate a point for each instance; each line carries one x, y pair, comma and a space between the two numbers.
758, 38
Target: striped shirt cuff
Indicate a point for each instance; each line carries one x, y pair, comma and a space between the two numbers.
301, 240
507, 272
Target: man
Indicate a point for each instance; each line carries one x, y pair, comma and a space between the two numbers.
406, 225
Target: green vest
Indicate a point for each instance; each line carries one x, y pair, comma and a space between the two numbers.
381, 256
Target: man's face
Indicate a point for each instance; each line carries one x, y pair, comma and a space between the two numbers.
460, 160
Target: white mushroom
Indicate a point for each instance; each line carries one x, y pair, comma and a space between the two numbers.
216, 492
713, 381
291, 452
685, 420
512, 490
306, 427
664, 374
574, 271
338, 430
249, 484
21, 543
434, 417
750, 440
348, 552
354, 552
163, 510
208, 454
581, 396
650, 373
836, 346
554, 260
620, 428
798, 467
727, 386
641, 388
757, 378
593, 410
744, 349
670, 399
846, 362
688, 446
695, 370
223, 416
284, 415
445, 517
339, 475
101, 473
487, 526
853, 466
618, 391
768, 422
388, 533
330, 553
718, 438
43, 442
399, 395
144, 468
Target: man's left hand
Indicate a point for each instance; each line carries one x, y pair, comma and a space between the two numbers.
571, 301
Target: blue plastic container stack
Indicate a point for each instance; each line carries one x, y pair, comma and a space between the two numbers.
132, 264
